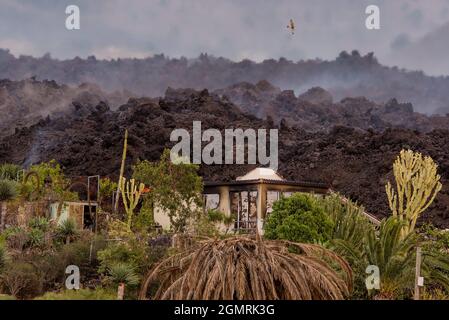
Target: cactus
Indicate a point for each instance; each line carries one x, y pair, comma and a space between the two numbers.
130, 195
417, 184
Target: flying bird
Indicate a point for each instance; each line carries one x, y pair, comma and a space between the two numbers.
291, 26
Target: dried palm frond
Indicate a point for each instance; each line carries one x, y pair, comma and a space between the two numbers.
242, 268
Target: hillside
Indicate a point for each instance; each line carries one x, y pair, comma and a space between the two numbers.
316, 110
87, 140
349, 75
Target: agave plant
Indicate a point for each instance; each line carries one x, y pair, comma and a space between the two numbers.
243, 268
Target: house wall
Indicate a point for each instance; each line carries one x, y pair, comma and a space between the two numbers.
161, 216
72, 210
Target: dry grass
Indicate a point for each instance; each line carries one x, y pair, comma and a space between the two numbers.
242, 268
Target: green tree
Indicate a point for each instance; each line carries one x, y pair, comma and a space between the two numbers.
394, 255
299, 218
107, 188
52, 181
175, 188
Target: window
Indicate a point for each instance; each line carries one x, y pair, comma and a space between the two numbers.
272, 196
211, 201
244, 210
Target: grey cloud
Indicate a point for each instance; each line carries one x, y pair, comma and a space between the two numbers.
231, 28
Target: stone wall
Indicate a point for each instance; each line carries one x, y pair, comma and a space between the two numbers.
19, 214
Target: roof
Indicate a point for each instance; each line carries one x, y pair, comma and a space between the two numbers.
261, 173
308, 184
266, 176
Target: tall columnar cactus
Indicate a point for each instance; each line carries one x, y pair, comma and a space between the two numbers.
417, 184
130, 194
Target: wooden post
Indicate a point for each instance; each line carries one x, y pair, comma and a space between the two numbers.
417, 272
122, 169
121, 291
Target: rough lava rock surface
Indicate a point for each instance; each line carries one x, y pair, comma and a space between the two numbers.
88, 139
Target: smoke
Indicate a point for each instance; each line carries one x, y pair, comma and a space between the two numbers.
350, 74
24, 103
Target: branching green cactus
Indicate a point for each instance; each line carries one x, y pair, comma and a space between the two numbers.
417, 184
130, 195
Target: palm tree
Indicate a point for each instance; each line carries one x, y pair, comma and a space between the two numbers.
243, 268
67, 230
122, 274
395, 256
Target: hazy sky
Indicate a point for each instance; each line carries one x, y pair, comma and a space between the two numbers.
235, 29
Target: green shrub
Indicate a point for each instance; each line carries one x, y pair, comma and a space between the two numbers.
132, 253
26, 191
52, 264
9, 171
215, 215
39, 223
107, 187
38, 234
299, 218
8, 190
36, 238
58, 185
21, 280
144, 220
16, 238
439, 237
82, 294
3, 257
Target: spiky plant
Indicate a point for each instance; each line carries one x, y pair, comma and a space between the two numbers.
350, 223
67, 230
8, 190
123, 273
9, 171
40, 223
350, 229
395, 256
242, 268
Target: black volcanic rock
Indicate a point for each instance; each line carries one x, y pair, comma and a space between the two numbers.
316, 95
356, 162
